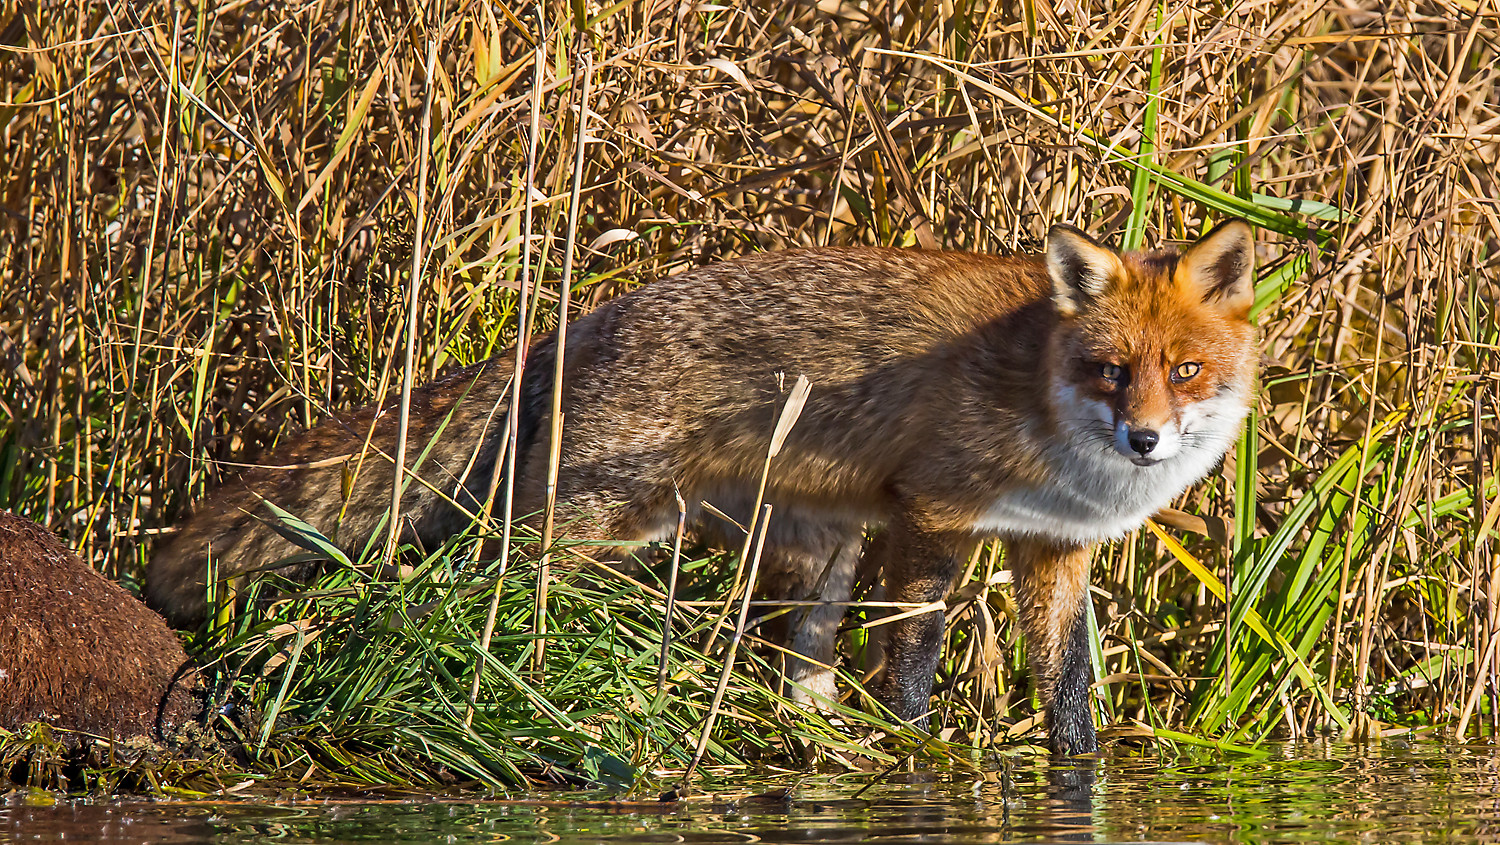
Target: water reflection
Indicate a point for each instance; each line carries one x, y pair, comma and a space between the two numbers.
1390, 793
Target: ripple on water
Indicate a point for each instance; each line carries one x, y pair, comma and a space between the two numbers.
1297, 793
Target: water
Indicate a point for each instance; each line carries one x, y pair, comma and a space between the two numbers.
1307, 793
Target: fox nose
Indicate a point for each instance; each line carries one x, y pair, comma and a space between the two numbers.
1143, 440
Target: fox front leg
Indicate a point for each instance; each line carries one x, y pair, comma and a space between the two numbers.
919, 569
1052, 584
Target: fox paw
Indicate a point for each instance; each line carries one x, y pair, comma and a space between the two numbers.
815, 690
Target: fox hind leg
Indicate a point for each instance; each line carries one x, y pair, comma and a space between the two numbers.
824, 572
808, 556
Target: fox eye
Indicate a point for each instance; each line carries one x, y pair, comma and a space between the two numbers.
1111, 372
1185, 371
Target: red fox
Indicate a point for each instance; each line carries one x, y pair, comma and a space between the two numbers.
1054, 401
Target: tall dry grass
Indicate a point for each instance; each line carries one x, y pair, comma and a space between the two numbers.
211, 210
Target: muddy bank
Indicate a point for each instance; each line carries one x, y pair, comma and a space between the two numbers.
78, 651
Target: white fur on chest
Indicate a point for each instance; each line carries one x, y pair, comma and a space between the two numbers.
1089, 501
1094, 494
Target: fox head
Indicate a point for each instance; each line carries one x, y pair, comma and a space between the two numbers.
1155, 354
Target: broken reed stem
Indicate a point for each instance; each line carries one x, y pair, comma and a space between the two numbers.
585, 69
666, 619
734, 645
1471, 701
398, 478
1374, 570
507, 461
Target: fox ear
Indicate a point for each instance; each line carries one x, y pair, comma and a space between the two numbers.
1081, 268
1219, 268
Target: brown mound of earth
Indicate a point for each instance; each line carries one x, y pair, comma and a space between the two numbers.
78, 651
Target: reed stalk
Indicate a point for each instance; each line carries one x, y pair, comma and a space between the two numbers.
554, 452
